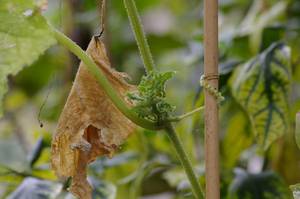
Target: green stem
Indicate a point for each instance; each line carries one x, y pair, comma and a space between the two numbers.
149, 65
188, 114
186, 163
103, 81
139, 34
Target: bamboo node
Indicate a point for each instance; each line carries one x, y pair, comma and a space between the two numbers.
210, 77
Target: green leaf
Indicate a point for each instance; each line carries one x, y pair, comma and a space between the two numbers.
9, 181
266, 185
266, 18
262, 86
177, 179
236, 140
24, 35
297, 133
12, 155
296, 190
103, 190
34, 188
103, 163
270, 35
36, 152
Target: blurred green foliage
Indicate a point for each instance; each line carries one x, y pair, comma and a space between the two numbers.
147, 165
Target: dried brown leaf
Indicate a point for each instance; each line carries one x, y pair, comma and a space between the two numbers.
89, 125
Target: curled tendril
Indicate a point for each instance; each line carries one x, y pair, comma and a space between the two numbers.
212, 90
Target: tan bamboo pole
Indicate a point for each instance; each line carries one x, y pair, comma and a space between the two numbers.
211, 75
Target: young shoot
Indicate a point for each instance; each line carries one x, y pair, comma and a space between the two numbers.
150, 97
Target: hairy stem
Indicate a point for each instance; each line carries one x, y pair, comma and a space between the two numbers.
139, 34
185, 161
103, 81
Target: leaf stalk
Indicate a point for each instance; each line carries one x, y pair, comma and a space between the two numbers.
103, 81
188, 114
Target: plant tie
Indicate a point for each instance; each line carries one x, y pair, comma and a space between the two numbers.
212, 90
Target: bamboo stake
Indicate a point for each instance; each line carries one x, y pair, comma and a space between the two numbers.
211, 105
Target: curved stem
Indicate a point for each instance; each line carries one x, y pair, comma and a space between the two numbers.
139, 34
185, 161
188, 114
103, 81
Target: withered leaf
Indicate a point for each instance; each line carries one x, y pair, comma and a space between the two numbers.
89, 125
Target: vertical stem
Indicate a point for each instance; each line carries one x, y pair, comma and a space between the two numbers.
185, 161
211, 105
104, 14
139, 34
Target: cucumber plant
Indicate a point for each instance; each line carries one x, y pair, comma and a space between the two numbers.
258, 90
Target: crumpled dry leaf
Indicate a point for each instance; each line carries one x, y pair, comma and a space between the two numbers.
90, 125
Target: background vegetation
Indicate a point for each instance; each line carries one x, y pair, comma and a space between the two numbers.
146, 166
